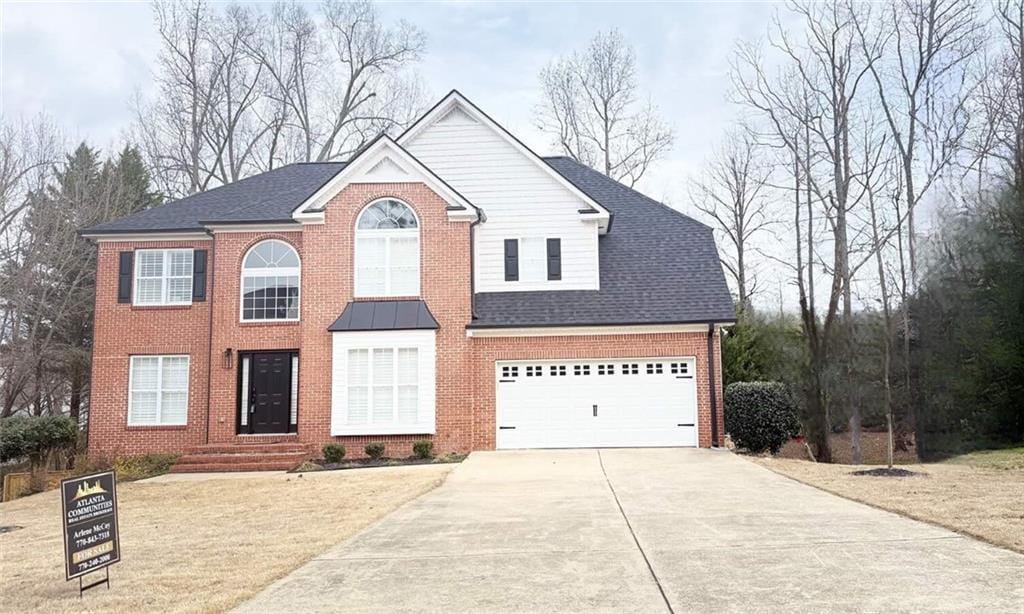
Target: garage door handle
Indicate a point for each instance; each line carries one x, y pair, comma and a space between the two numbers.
506, 428
506, 381
684, 377
690, 424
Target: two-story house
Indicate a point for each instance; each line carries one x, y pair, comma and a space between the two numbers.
449, 284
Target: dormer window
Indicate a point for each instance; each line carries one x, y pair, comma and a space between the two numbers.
387, 250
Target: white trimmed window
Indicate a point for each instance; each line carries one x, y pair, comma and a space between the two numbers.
270, 282
387, 250
383, 383
158, 390
163, 277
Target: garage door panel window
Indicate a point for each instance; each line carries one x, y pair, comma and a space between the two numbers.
158, 390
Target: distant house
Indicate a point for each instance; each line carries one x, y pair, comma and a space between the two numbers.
448, 285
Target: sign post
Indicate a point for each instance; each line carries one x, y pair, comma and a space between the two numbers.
91, 540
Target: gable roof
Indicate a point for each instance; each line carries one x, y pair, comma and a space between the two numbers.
268, 197
455, 100
658, 267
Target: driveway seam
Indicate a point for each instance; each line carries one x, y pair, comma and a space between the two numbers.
629, 526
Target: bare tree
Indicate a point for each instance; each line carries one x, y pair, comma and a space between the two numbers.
240, 90
733, 192
816, 98
591, 107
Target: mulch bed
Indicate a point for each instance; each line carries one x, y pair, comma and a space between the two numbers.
364, 463
886, 472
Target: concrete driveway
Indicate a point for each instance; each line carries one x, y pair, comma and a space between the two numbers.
657, 530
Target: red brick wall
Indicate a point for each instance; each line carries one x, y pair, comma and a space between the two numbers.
465, 366
122, 330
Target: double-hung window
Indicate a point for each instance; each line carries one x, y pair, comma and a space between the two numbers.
158, 390
533, 259
270, 282
163, 277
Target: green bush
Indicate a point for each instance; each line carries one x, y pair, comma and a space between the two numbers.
144, 466
36, 437
424, 448
760, 416
334, 452
374, 450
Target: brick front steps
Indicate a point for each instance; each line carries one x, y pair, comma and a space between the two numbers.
241, 457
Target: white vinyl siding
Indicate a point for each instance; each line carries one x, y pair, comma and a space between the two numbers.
521, 200
163, 277
383, 383
158, 390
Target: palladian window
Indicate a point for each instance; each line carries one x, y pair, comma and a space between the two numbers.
387, 250
270, 282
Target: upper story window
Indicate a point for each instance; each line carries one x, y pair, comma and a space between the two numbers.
387, 250
270, 282
533, 259
163, 277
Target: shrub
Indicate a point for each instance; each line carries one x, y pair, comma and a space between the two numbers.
334, 452
424, 448
760, 416
36, 437
374, 450
144, 466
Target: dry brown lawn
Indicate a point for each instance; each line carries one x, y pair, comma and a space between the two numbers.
200, 546
980, 494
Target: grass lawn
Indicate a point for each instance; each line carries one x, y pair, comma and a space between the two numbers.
200, 546
979, 494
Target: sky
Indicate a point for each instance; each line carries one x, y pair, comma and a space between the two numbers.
82, 63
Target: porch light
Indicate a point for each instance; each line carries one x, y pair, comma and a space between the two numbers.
227, 359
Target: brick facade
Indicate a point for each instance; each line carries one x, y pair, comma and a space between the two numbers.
211, 333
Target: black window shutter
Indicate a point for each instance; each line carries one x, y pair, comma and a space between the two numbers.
511, 259
554, 259
199, 275
124, 277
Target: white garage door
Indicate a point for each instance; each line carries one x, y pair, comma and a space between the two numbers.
603, 403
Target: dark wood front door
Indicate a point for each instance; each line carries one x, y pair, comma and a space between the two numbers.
270, 383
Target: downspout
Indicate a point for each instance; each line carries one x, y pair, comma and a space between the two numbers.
480, 218
212, 270
712, 388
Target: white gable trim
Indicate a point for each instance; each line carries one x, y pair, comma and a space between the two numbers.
384, 161
456, 101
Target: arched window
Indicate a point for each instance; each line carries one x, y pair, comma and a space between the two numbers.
387, 250
270, 282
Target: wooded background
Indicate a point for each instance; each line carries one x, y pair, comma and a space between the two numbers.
880, 155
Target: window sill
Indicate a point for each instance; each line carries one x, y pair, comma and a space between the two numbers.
156, 427
248, 323
369, 430
389, 297
160, 307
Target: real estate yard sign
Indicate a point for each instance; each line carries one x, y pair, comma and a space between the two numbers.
91, 540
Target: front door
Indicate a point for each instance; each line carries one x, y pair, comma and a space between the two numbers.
269, 397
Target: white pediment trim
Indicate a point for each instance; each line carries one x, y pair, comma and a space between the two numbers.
384, 161
454, 107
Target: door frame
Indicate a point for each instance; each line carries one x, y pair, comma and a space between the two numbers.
693, 359
247, 429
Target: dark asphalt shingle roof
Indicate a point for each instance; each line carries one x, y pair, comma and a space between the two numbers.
658, 266
267, 197
384, 315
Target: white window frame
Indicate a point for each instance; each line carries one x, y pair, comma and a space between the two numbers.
164, 277
539, 272
159, 388
269, 272
388, 234
424, 342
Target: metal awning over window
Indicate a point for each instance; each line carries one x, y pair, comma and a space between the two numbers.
384, 315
